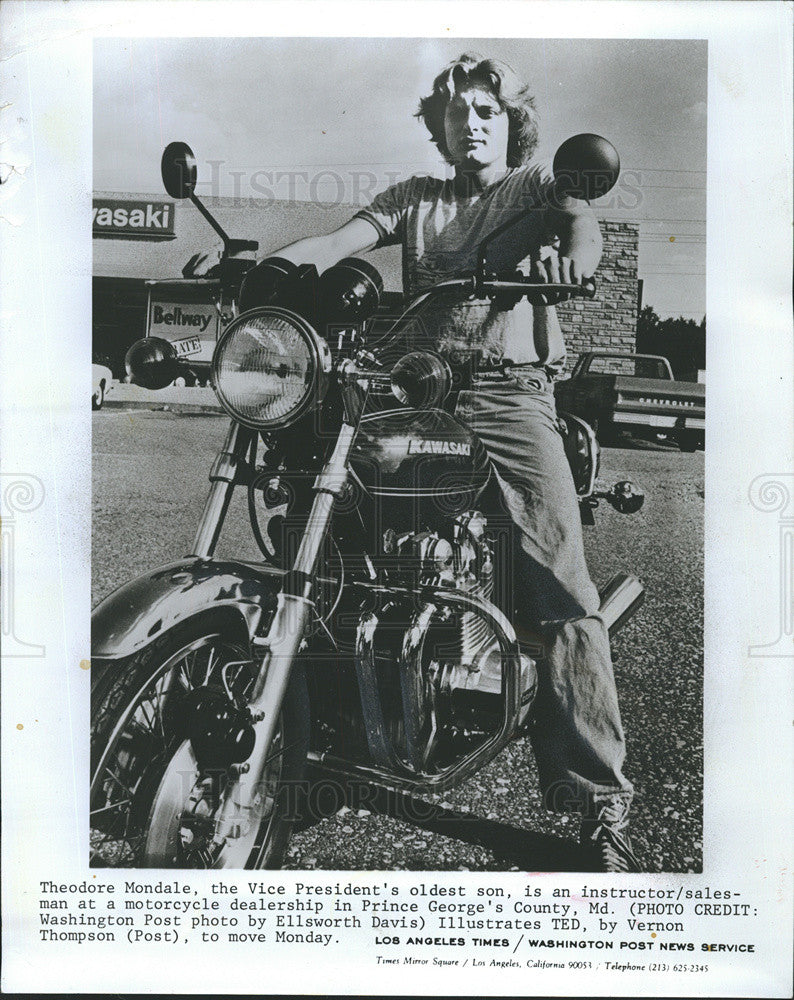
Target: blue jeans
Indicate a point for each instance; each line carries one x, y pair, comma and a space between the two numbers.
577, 737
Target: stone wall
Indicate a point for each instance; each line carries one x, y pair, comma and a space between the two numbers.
609, 321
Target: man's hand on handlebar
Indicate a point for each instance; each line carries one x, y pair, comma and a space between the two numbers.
210, 263
557, 270
203, 264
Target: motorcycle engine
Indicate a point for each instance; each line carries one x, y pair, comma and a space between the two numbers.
465, 563
461, 659
438, 672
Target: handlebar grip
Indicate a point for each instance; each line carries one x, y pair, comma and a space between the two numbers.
242, 246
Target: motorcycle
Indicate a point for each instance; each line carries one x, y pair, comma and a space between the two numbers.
372, 643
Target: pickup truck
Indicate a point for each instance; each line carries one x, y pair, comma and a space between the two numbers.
637, 393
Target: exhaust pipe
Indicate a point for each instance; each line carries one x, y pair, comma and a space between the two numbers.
621, 597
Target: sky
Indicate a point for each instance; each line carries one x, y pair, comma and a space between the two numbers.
331, 119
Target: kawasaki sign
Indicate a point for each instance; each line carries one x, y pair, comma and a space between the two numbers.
133, 219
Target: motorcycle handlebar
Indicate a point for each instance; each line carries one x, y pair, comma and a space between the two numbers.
242, 246
476, 286
586, 290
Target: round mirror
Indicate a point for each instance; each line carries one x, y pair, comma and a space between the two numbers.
152, 363
586, 166
178, 170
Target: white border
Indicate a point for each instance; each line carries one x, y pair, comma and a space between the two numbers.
45, 80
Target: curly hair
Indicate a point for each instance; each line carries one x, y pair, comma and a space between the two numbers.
471, 70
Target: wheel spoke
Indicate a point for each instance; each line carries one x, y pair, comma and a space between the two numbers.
184, 678
192, 669
145, 761
149, 720
119, 782
113, 805
210, 664
159, 707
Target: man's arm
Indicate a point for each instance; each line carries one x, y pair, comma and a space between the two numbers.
353, 237
580, 242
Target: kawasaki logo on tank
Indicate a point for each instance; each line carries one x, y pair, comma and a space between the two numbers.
133, 219
425, 447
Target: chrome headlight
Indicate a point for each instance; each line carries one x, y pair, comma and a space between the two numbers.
270, 367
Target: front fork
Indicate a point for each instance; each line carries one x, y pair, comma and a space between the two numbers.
225, 473
280, 646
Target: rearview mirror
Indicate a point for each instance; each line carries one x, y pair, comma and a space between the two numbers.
178, 170
152, 363
586, 167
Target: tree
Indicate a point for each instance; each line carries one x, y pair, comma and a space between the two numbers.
682, 341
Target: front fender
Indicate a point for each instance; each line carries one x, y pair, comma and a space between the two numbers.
140, 611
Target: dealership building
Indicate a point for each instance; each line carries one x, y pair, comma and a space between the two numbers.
141, 238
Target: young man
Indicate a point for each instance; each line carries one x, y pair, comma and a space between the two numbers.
483, 121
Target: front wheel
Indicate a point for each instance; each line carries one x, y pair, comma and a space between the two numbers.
99, 397
152, 804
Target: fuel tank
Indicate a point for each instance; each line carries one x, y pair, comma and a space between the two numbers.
403, 456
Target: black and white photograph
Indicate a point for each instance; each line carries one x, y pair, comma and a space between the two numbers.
399, 378
383, 610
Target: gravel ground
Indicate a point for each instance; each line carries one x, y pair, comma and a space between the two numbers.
150, 480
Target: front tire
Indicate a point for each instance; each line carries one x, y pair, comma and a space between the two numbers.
99, 397
151, 805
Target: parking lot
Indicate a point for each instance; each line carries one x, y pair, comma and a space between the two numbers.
149, 483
